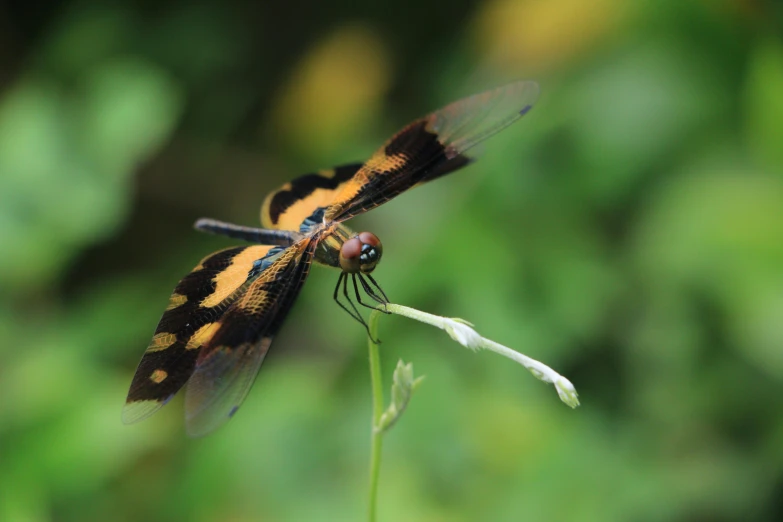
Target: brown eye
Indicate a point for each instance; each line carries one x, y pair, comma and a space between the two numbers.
371, 252
361, 253
349, 255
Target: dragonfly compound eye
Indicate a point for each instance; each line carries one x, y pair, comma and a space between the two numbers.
371, 252
361, 253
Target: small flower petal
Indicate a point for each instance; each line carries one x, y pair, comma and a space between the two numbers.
462, 333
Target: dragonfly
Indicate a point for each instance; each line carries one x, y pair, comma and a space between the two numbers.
222, 317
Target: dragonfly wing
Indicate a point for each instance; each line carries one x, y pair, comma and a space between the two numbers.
431, 147
228, 364
198, 301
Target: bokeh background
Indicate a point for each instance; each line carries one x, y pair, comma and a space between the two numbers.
628, 232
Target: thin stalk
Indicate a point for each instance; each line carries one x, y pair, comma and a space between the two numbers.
376, 440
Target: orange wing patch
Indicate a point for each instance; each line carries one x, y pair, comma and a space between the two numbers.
158, 376
235, 275
177, 299
201, 336
161, 341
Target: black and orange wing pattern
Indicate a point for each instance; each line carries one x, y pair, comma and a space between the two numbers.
201, 311
287, 207
228, 364
431, 147
189, 321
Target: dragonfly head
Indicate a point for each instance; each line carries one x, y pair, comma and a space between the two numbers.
361, 253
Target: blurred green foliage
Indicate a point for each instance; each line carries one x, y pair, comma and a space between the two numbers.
628, 232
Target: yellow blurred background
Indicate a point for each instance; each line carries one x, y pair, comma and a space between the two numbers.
628, 232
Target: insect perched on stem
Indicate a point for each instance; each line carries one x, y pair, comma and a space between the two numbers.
222, 317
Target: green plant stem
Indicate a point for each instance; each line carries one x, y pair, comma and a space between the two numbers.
376, 440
